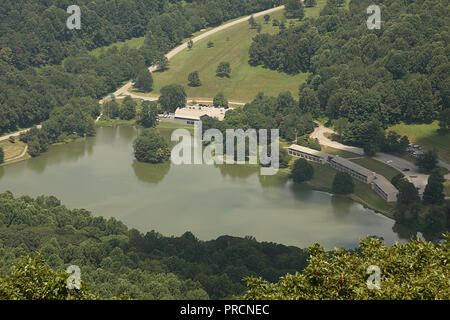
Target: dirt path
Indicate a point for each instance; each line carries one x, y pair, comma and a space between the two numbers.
19, 156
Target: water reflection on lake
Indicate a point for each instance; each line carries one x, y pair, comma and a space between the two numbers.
101, 175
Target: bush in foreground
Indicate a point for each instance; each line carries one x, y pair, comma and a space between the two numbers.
416, 270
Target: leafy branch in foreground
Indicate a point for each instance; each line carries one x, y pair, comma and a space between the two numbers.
416, 270
33, 279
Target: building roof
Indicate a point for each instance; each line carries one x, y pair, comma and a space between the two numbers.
195, 112
353, 166
385, 185
308, 150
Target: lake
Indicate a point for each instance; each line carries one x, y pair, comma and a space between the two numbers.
101, 175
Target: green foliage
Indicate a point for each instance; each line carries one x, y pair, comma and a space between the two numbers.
223, 69
407, 193
396, 179
389, 76
144, 80
194, 79
310, 3
444, 119
294, 9
434, 190
111, 109
343, 183
151, 147
416, 270
116, 261
302, 171
33, 279
148, 115
128, 109
2, 155
172, 97
427, 161
284, 158
220, 100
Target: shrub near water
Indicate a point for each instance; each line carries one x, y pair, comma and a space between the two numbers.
151, 147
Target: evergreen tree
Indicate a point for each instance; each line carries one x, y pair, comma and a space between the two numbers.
144, 81
172, 97
343, 183
294, 9
2, 155
434, 191
302, 171
407, 193
427, 161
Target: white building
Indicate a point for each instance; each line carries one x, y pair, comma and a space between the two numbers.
190, 114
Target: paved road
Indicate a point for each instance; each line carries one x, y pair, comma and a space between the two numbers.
124, 90
414, 175
16, 134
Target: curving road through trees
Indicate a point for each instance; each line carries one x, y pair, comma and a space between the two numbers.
122, 92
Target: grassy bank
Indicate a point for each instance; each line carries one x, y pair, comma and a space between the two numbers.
13, 150
230, 45
323, 180
427, 136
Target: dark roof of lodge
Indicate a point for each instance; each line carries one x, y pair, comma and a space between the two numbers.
353, 166
313, 152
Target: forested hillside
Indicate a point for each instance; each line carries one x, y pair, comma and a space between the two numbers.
400, 72
115, 260
34, 33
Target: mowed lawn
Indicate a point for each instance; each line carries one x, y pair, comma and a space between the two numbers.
232, 46
427, 136
12, 150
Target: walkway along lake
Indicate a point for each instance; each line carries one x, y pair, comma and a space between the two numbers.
101, 175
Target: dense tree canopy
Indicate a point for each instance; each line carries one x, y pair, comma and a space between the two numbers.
35, 34
345, 275
151, 147
116, 261
343, 183
389, 75
302, 171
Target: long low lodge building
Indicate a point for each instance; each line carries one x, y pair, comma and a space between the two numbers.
308, 154
354, 170
384, 188
378, 183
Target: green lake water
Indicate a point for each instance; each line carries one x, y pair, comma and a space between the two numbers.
101, 175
